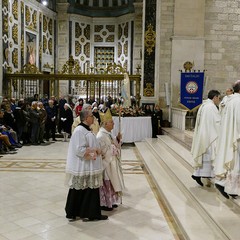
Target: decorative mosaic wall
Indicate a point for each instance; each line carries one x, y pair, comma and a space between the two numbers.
149, 48
82, 41
87, 37
123, 44
10, 33
28, 33
47, 35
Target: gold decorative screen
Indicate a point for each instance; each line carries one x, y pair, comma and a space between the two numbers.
103, 56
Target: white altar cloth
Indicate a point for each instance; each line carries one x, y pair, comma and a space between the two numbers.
133, 129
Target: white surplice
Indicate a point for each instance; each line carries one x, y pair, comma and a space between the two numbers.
205, 138
227, 166
80, 172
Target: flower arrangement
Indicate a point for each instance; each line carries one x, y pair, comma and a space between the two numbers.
127, 111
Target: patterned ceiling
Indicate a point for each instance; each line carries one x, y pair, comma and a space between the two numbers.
102, 3
101, 8
96, 8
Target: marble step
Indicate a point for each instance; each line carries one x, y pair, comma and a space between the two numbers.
200, 212
184, 156
182, 137
177, 149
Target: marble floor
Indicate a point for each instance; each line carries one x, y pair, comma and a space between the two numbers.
33, 196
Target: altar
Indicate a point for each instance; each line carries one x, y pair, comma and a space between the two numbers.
133, 129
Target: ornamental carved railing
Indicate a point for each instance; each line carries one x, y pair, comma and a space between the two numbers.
93, 84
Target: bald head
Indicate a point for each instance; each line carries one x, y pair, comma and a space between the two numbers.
236, 86
229, 91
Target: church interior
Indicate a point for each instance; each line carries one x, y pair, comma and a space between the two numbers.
87, 49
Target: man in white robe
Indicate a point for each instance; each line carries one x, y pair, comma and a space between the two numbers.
227, 167
205, 137
222, 104
84, 172
113, 184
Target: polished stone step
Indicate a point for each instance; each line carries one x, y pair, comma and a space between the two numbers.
179, 144
182, 137
200, 212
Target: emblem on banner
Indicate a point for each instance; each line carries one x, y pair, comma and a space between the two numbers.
191, 87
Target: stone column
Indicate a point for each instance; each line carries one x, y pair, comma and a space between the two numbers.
62, 53
137, 45
188, 42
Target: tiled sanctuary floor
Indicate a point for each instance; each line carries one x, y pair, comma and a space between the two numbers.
33, 196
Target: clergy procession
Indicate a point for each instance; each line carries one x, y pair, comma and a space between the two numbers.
94, 172
93, 169
215, 146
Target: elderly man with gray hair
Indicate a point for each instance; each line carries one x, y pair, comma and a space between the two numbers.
94, 127
84, 172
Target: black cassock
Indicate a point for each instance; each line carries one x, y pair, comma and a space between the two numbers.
157, 119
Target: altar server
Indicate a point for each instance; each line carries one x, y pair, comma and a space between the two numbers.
84, 172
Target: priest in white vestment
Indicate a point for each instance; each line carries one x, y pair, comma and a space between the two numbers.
227, 167
205, 137
222, 104
113, 184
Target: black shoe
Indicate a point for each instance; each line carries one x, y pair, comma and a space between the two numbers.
221, 190
234, 196
102, 217
198, 180
106, 208
3, 152
35, 144
17, 145
27, 144
114, 205
71, 218
42, 142
11, 147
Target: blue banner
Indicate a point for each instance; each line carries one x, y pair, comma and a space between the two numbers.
191, 89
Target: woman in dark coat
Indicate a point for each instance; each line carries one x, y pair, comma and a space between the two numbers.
67, 121
147, 110
157, 118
